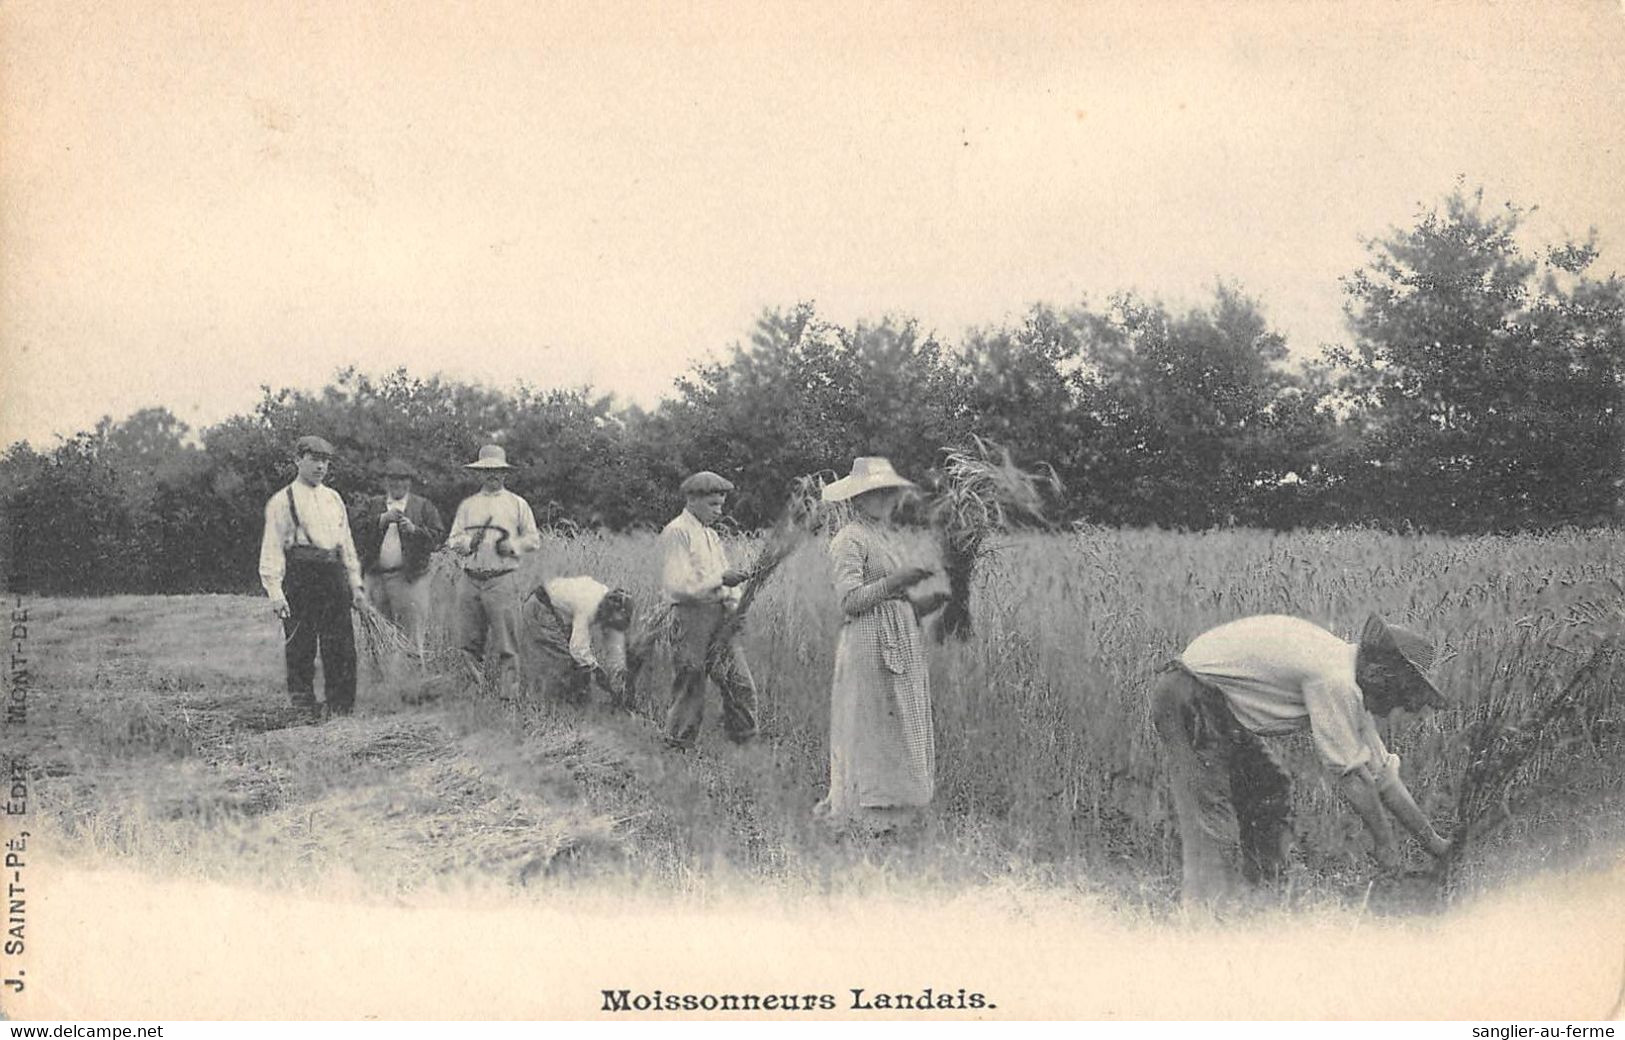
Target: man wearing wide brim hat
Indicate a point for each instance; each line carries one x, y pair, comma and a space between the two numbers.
312, 574
1270, 675
395, 533
701, 591
492, 529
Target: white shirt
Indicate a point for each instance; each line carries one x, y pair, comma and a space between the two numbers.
323, 522
494, 512
692, 563
389, 551
1281, 674
577, 601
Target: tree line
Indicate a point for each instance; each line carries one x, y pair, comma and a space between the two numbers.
1480, 390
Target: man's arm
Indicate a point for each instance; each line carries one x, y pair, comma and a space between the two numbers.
1397, 798
273, 561
1357, 787
581, 639
352, 559
459, 540
528, 538
432, 529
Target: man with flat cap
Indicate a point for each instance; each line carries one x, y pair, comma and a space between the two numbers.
395, 532
1266, 676
492, 529
703, 591
310, 570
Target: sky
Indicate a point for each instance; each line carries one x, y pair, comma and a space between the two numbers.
198, 199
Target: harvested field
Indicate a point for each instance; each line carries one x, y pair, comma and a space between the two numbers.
158, 737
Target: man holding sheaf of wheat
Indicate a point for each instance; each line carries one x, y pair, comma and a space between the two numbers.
1270, 675
310, 570
703, 592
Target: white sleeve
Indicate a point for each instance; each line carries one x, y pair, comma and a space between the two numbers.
458, 539
352, 559
273, 561
1341, 727
527, 538
679, 576
581, 639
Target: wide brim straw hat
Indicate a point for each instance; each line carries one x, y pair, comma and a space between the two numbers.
491, 457
871, 473
1414, 649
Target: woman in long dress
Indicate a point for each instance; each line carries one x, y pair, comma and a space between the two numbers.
882, 757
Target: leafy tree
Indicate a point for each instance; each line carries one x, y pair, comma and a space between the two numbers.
804, 395
1031, 389
1485, 383
1199, 418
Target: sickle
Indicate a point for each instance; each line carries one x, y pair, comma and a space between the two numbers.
479, 537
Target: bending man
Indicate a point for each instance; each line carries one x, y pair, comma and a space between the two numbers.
1269, 675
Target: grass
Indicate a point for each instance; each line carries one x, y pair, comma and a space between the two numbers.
156, 731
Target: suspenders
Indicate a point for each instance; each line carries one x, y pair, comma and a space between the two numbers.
298, 527
308, 552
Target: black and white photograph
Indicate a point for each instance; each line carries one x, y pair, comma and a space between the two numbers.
900, 511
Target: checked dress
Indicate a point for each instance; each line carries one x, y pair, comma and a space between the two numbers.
881, 751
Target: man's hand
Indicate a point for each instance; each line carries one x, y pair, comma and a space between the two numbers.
387, 517
358, 598
732, 577
279, 606
1438, 845
407, 526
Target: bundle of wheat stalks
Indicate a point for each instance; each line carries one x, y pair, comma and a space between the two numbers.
380, 641
805, 513
981, 491
1507, 746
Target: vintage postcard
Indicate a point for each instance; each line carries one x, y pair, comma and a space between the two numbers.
774, 511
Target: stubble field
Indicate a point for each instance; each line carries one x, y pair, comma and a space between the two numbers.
157, 736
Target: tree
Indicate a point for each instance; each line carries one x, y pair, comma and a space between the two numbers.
1485, 383
805, 395
1200, 422
1030, 388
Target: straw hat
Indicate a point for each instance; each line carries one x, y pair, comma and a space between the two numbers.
868, 474
1393, 641
491, 457
398, 467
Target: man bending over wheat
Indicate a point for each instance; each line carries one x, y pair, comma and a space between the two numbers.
1270, 675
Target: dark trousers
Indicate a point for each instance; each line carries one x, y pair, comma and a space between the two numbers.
694, 625
319, 617
1230, 793
546, 660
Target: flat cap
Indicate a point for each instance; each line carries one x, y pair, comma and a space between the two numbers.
706, 483
313, 445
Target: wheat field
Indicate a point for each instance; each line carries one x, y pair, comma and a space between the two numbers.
157, 735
